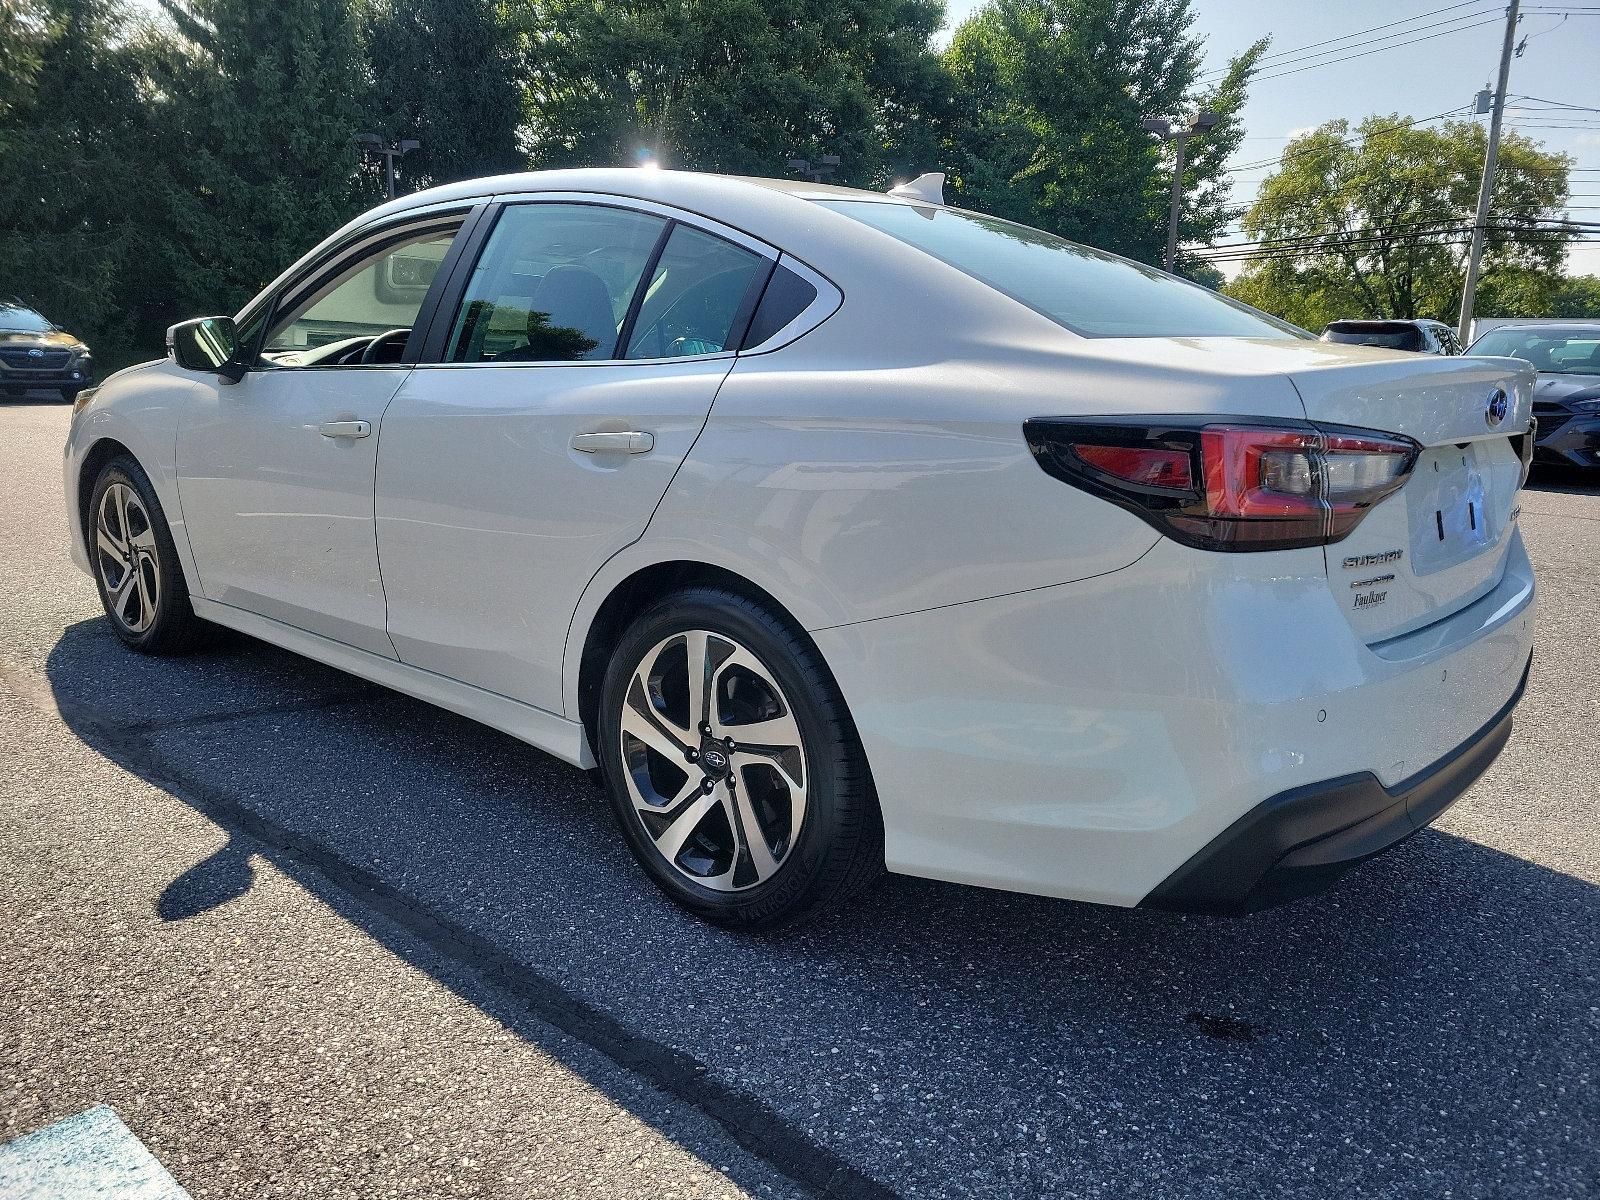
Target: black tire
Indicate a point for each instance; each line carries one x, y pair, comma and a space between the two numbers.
172, 628
839, 846
70, 395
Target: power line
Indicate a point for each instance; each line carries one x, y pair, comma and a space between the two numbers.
1366, 249
1307, 244
1348, 140
1347, 36
1379, 50
1281, 61
1557, 103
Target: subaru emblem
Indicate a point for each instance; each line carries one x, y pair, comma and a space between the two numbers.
1499, 406
36, 353
715, 759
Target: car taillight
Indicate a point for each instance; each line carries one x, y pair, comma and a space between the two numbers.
1228, 484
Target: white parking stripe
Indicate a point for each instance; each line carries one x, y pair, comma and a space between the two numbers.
92, 1156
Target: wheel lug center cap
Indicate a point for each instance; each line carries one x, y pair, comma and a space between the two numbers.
714, 759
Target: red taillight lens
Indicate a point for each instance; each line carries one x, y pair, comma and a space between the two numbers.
1226, 485
1137, 464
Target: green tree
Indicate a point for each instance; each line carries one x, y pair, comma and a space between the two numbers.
77, 176
1575, 296
28, 29
740, 86
259, 105
1377, 224
444, 72
1048, 126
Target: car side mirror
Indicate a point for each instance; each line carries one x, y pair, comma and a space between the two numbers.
209, 344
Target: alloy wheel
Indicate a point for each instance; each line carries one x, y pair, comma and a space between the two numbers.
714, 760
125, 553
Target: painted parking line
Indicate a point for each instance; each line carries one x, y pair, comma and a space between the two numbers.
92, 1156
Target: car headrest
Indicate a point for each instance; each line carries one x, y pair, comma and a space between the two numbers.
574, 298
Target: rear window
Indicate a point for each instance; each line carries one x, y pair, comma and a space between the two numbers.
1090, 292
1392, 338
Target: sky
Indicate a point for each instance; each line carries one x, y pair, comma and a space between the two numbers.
1430, 76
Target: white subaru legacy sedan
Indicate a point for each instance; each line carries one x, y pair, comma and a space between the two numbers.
842, 530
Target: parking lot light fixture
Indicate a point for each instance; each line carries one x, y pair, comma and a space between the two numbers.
1179, 137
372, 143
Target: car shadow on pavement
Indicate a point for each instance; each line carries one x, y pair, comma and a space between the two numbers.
1429, 1025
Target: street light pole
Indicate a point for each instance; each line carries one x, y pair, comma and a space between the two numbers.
819, 173
1180, 145
371, 143
1163, 129
1469, 288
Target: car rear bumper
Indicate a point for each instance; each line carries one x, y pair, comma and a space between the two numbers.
1303, 840
1088, 740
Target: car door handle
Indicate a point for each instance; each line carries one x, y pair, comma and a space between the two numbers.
631, 442
344, 429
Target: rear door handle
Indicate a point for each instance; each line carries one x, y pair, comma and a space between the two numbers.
344, 429
631, 442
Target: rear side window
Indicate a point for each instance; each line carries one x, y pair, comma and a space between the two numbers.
786, 297
553, 284
1088, 291
695, 298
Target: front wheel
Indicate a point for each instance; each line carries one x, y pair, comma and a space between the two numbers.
136, 566
732, 765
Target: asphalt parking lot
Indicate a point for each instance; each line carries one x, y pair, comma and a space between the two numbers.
311, 938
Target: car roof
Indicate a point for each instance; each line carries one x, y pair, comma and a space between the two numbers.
643, 183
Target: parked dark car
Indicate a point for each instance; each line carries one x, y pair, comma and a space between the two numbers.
1566, 400
1419, 337
36, 355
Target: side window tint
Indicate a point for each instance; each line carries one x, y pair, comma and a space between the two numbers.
786, 297
361, 316
553, 284
695, 294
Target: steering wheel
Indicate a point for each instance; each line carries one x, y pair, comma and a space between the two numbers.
370, 354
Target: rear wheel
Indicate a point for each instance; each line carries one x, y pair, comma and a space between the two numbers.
136, 565
732, 765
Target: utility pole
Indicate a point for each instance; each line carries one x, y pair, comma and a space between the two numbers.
1163, 129
1469, 290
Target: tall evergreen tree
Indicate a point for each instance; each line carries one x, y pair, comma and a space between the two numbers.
77, 176
1049, 129
740, 86
444, 72
27, 28
260, 106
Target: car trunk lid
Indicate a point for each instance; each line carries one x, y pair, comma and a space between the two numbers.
1439, 543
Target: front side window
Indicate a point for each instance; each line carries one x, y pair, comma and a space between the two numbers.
554, 284
696, 293
364, 314
1088, 291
